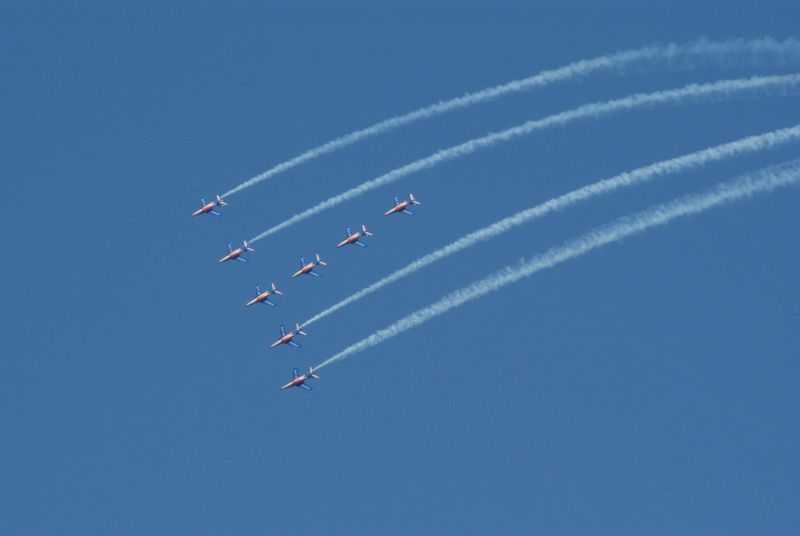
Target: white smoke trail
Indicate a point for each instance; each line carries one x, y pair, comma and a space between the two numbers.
641, 175
735, 52
765, 180
724, 89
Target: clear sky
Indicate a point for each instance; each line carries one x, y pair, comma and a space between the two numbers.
648, 387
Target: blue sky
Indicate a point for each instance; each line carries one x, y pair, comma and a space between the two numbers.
649, 387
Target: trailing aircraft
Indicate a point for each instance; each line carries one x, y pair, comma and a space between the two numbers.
402, 206
208, 208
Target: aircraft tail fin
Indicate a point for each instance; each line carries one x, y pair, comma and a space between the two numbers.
319, 260
311, 373
222, 201
247, 246
364, 230
276, 291
300, 330
414, 201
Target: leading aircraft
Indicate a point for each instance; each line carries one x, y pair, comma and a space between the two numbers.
263, 297
286, 338
353, 238
402, 206
208, 208
236, 253
300, 380
308, 267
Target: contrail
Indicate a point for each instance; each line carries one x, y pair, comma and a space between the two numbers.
641, 175
735, 52
765, 180
720, 90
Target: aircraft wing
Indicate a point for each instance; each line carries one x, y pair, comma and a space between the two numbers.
407, 211
294, 372
306, 387
292, 343
242, 259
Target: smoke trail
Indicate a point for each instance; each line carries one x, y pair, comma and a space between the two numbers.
736, 52
765, 180
694, 92
749, 144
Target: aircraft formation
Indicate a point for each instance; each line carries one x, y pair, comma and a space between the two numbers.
306, 268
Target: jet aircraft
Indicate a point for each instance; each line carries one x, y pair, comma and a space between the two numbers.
300, 380
286, 338
353, 238
263, 297
208, 208
402, 206
308, 267
236, 253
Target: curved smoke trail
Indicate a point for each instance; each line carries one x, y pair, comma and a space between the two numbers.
722, 89
762, 181
738, 51
641, 175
